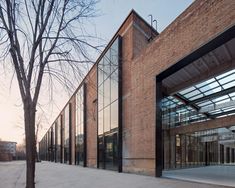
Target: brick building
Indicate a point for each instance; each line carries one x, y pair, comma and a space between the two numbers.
155, 101
7, 150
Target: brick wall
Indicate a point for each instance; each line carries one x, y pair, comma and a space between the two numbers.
138, 156
202, 21
142, 61
91, 123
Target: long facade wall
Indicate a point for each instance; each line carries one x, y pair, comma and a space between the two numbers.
142, 59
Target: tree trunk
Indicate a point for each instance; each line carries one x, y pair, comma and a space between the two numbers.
29, 117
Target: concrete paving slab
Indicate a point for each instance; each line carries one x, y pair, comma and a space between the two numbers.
217, 175
55, 175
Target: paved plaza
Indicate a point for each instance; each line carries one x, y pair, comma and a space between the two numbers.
55, 175
218, 175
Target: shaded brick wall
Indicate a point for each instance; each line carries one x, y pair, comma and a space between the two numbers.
91, 112
137, 134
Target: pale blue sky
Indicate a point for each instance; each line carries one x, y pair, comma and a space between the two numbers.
112, 14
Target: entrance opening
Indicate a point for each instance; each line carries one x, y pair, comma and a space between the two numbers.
198, 113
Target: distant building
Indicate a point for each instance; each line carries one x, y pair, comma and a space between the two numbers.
7, 150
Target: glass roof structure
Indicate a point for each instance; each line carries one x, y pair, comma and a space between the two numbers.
210, 99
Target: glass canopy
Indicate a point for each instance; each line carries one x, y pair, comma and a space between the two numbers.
210, 99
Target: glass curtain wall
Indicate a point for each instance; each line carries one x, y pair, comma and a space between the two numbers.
208, 100
53, 146
49, 144
108, 78
58, 139
67, 134
46, 143
79, 139
42, 149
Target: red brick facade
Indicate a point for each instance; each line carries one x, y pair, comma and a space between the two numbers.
142, 60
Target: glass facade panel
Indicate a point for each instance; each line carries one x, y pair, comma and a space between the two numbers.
202, 102
107, 64
49, 144
101, 97
114, 85
111, 161
106, 119
66, 134
108, 108
201, 148
107, 92
58, 139
114, 115
53, 148
100, 72
79, 154
43, 148
101, 123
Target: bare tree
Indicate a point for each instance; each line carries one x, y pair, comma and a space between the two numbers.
43, 39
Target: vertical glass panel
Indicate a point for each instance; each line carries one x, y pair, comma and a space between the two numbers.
66, 134
58, 148
111, 154
114, 86
100, 72
108, 107
114, 115
114, 56
53, 142
106, 61
100, 123
107, 119
80, 126
106, 92
107, 64
101, 152
101, 97
49, 144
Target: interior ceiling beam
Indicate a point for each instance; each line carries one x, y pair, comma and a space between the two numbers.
194, 106
208, 74
222, 113
218, 106
214, 95
227, 121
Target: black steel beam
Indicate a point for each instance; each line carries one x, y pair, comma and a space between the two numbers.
56, 140
70, 134
201, 51
120, 104
187, 102
158, 131
84, 124
61, 139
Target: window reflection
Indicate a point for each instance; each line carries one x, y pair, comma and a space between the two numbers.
107, 119
66, 134
79, 146
58, 139
106, 92
114, 86
114, 115
202, 148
